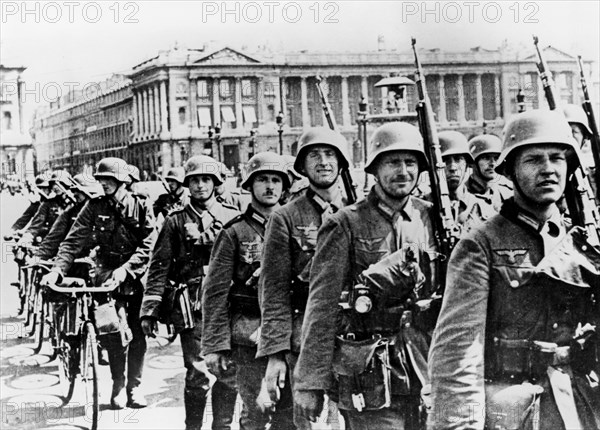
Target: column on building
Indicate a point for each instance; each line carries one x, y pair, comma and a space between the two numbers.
140, 114
135, 115
239, 112
145, 112
152, 125
346, 120
479, 96
442, 117
506, 102
164, 124
193, 106
281, 98
304, 99
461, 99
364, 89
497, 96
261, 102
156, 100
216, 102
384, 96
325, 87
167, 157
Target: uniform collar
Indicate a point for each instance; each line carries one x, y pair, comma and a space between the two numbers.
407, 212
119, 196
477, 185
514, 212
321, 204
253, 214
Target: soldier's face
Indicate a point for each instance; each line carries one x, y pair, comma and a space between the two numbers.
267, 188
201, 187
321, 166
577, 133
173, 185
486, 164
397, 173
109, 185
456, 167
541, 173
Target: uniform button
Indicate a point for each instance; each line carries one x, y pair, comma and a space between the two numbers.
555, 326
101, 228
514, 283
304, 248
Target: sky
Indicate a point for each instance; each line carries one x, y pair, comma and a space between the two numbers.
71, 43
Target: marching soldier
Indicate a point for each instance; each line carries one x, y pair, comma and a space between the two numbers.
516, 344
298, 183
394, 228
176, 197
287, 255
484, 181
42, 187
175, 276
83, 190
238, 198
230, 310
120, 228
580, 129
468, 209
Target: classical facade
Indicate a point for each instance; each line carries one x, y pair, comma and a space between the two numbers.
15, 141
226, 102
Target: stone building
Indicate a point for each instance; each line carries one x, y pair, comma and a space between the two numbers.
15, 142
226, 102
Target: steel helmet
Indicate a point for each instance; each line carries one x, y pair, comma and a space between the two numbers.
395, 136
87, 185
321, 136
484, 144
576, 115
134, 174
289, 166
265, 162
202, 165
454, 143
113, 167
62, 177
536, 127
176, 174
41, 180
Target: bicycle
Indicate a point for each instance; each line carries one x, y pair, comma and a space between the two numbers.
75, 337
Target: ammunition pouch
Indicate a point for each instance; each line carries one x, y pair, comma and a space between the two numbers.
111, 317
363, 372
522, 359
176, 307
244, 299
111, 260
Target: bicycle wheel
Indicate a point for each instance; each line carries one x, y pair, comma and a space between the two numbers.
89, 371
66, 351
35, 310
39, 322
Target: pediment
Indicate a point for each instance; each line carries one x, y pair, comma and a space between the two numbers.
227, 56
552, 54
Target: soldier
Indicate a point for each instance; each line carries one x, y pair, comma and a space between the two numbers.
231, 315
120, 227
515, 345
50, 209
468, 209
42, 187
176, 197
298, 183
238, 198
288, 250
388, 222
484, 181
580, 129
177, 266
83, 189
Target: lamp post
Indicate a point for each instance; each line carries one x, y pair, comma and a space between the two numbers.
520, 100
218, 139
252, 142
279, 121
362, 134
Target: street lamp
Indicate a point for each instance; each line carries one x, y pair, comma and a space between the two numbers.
521, 100
279, 121
252, 142
362, 134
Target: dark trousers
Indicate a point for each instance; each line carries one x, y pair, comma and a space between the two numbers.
223, 393
250, 372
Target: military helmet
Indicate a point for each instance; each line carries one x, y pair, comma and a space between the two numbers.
176, 174
321, 136
454, 143
536, 127
87, 185
62, 177
576, 115
41, 180
395, 136
484, 144
113, 167
134, 174
289, 166
265, 162
202, 165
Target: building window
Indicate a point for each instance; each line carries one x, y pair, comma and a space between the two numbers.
204, 117
6, 121
224, 88
202, 89
249, 115
181, 113
227, 114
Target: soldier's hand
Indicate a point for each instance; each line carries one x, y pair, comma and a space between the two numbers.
149, 326
51, 278
191, 231
275, 375
216, 363
308, 404
119, 275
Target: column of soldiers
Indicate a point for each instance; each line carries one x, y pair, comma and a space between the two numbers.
314, 305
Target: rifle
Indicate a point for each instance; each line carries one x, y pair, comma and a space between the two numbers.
344, 173
595, 137
446, 230
578, 193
